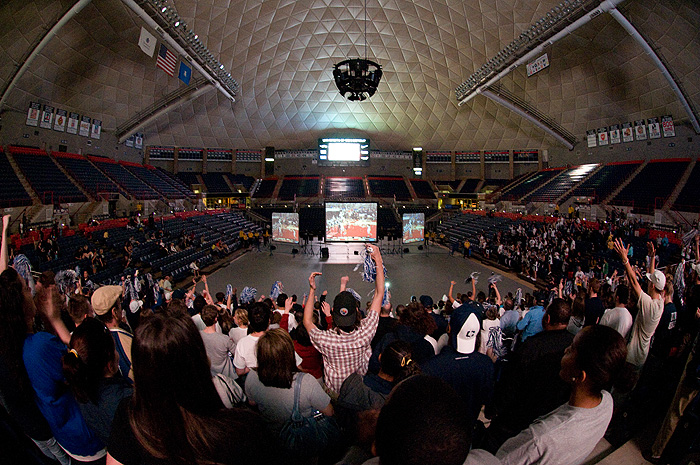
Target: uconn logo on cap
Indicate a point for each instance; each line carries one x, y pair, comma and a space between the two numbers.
343, 311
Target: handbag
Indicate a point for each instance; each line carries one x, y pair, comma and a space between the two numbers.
308, 436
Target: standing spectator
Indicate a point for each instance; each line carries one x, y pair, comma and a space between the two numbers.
619, 318
218, 346
245, 356
106, 302
594, 306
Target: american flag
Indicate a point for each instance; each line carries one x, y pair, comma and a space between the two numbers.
166, 60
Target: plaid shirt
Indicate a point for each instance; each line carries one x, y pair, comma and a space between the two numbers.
345, 353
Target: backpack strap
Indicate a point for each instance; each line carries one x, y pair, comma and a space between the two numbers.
296, 414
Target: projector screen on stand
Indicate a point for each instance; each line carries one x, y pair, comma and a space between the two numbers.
351, 222
413, 227
285, 227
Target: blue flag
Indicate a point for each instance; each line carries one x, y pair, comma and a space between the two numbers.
185, 73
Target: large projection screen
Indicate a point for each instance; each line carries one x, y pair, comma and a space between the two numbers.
285, 227
351, 222
413, 227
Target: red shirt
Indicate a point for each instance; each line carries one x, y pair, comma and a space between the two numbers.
311, 359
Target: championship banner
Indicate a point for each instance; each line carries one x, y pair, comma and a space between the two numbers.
654, 128
96, 129
60, 123
130, 141
138, 140
46, 117
667, 125
33, 114
73, 123
85, 126
538, 65
640, 130
614, 134
627, 132
603, 136
591, 137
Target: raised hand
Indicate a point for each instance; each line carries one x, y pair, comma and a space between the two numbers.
312, 279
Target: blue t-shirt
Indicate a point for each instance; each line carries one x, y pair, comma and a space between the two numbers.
509, 321
531, 323
42, 358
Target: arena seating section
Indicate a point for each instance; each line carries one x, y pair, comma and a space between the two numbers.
689, 198
45, 177
652, 186
123, 177
12, 192
265, 189
350, 187
149, 177
469, 186
560, 184
528, 185
216, 184
423, 189
389, 186
299, 186
84, 172
604, 181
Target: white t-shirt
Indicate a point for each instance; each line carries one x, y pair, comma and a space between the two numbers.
619, 319
237, 334
245, 355
199, 323
648, 317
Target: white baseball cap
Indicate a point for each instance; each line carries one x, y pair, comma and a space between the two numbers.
658, 279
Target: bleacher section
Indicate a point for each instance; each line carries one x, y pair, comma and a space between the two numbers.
469, 227
387, 225
344, 187
469, 186
149, 177
689, 198
216, 184
47, 180
242, 179
652, 186
389, 186
561, 184
175, 182
423, 189
298, 186
312, 222
520, 190
91, 179
188, 179
265, 189
602, 183
133, 185
12, 192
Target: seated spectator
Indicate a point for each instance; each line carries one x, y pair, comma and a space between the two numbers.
219, 346
461, 365
91, 368
619, 318
271, 385
240, 317
345, 348
106, 302
414, 325
568, 434
425, 422
175, 415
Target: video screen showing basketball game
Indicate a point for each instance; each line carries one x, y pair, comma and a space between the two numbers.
351, 222
413, 227
285, 227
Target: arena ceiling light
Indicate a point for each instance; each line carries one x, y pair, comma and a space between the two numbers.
357, 78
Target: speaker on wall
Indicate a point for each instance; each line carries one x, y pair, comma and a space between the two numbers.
324, 252
269, 161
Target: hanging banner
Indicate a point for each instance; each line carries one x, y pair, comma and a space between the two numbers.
46, 117
614, 134
603, 136
73, 123
60, 123
667, 125
592, 139
33, 114
96, 129
640, 130
538, 65
627, 133
654, 128
129, 142
85, 126
138, 140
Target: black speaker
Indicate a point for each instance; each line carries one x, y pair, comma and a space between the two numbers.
357, 252
420, 247
405, 250
295, 251
324, 252
272, 247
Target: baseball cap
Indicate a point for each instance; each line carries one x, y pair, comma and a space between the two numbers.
104, 298
135, 305
658, 279
344, 311
465, 325
426, 300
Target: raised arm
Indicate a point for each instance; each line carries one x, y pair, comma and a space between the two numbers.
651, 250
344, 283
620, 248
309, 306
3, 249
498, 294
449, 294
46, 304
376, 305
206, 294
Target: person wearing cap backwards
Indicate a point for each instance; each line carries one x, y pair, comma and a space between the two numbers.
469, 372
107, 304
650, 306
345, 348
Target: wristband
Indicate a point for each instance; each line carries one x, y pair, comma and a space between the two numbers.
625, 262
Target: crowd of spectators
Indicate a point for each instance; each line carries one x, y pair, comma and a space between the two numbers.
151, 372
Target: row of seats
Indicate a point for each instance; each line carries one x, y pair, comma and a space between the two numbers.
604, 181
91, 179
381, 186
652, 186
299, 186
560, 184
47, 180
12, 192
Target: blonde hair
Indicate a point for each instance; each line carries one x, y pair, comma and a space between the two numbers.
242, 315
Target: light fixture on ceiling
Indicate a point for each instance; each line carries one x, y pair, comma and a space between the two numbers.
357, 78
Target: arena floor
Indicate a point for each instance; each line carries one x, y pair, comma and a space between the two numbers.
417, 272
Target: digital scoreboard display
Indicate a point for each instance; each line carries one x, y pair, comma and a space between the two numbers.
343, 152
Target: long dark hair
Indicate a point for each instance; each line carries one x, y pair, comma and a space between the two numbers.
397, 362
174, 410
85, 365
415, 316
276, 362
13, 326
